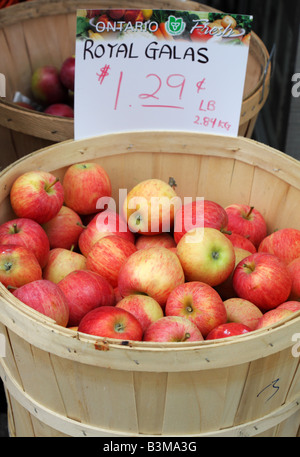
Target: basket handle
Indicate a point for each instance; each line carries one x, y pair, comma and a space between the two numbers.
271, 60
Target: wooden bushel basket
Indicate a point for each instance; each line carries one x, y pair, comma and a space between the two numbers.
63, 383
41, 32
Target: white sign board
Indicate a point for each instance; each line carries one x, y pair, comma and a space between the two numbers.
175, 70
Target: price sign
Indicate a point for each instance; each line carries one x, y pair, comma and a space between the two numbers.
159, 70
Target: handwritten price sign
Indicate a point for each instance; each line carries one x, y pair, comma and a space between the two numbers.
190, 76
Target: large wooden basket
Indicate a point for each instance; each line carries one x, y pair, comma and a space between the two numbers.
61, 383
43, 32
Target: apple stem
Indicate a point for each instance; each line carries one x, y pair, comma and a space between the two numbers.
72, 248
226, 232
15, 228
51, 184
81, 225
11, 287
186, 337
172, 183
249, 212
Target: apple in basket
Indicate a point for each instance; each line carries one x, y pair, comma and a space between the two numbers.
60, 109
172, 329
108, 255
165, 240
239, 241
291, 305
47, 298
199, 303
144, 308
154, 272
37, 195
294, 270
227, 330
246, 221
46, 86
149, 207
206, 255
67, 73
28, 233
284, 243
103, 224
85, 290
64, 229
273, 317
262, 279
84, 184
61, 262
18, 266
111, 322
242, 311
199, 213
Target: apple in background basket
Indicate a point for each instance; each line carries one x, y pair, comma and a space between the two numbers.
111, 322
37, 195
199, 303
273, 317
150, 206
108, 255
60, 109
226, 289
290, 305
246, 221
144, 308
228, 330
18, 266
262, 279
84, 184
103, 224
46, 86
67, 73
85, 290
242, 312
149, 241
284, 243
64, 229
45, 297
294, 270
28, 233
61, 262
172, 329
241, 242
206, 255
199, 213
154, 272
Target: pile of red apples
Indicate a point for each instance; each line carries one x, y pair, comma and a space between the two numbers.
119, 274
52, 89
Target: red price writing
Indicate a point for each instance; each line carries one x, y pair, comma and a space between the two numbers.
211, 122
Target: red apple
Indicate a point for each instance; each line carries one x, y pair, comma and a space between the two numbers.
61, 262
240, 241
263, 279
284, 243
60, 109
199, 213
272, 317
84, 184
25, 105
227, 330
67, 73
37, 195
199, 303
247, 221
45, 297
46, 86
149, 241
172, 329
28, 233
242, 312
206, 255
85, 290
294, 270
103, 224
226, 289
111, 322
154, 272
64, 229
150, 206
290, 305
18, 266
116, 14
108, 255
144, 308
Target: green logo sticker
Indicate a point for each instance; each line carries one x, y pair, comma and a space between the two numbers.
175, 25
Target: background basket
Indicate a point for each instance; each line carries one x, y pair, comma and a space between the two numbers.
42, 32
60, 383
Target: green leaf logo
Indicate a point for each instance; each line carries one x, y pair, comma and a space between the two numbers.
175, 25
